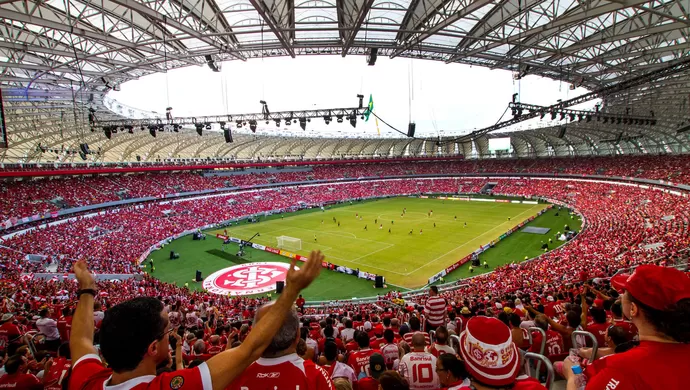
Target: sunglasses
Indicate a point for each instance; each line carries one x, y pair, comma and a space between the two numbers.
164, 334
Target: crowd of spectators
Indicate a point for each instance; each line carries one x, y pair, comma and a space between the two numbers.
30, 197
364, 346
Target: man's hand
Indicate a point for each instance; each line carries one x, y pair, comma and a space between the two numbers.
84, 277
568, 368
300, 279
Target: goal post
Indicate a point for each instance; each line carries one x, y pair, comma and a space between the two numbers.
287, 242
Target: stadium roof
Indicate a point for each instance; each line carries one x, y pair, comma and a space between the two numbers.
57, 56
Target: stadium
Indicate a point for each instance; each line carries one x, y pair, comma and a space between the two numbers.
409, 194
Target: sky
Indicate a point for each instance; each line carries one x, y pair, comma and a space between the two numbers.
442, 99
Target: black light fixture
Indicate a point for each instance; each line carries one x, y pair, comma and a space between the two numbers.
277, 122
572, 116
239, 124
199, 128
542, 114
252, 126
339, 118
618, 121
168, 114
353, 119
580, 117
303, 123
553, 115
327, 118
208, 126
588, 118
562, 115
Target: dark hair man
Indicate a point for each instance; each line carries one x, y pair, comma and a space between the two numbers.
135, 339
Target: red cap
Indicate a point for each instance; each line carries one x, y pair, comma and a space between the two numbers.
599, 302
656, 287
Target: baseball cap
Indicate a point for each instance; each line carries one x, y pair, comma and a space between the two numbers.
6, 317
465, 310
377, 365
487, 348
654, 286
367, 325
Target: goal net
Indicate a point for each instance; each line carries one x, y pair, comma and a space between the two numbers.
286, 242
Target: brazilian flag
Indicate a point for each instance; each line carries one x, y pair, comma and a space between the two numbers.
370, 108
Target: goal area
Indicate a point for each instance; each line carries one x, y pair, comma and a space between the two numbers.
287, 242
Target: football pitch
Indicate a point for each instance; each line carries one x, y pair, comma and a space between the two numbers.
406, 260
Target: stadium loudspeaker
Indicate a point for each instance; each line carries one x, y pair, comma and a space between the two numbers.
561, 132
410, 129
82, 155
378, 282
198, 277
228, 135
152, 132
138, 157
108, 132
279, 287
85, 148
371, 56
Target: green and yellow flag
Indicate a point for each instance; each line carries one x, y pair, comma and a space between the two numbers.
370, 108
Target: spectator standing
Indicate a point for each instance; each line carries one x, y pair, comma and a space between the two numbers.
134, 339
434, 309
419, 367
333, 367
9, 332
359, 360
279, 365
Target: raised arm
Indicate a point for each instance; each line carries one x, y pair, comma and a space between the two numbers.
81, 336
554, 325
226, 366
585, 309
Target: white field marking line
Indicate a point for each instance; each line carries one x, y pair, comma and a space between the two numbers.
371, 253
460, 246
336, 234
368, 266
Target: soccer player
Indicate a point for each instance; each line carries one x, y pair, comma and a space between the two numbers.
420, 231
376, 221
465, 224
389, 230
419, 367
338, 223
410, 231
365, 227
434, 224
380, 226
315, 234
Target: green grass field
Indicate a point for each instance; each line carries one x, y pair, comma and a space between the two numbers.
407, 260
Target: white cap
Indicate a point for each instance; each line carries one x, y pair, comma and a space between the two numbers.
367, 325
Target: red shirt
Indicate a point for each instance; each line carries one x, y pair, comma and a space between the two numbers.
64, 326
599, 332
8, 333
376, 343
57, 373
338, 343
20, 381
367, 383
285, 372
435, 311
88, 373
650, 366
520, 385
408, 338
554, 343
628, 326
300, 302
359, 360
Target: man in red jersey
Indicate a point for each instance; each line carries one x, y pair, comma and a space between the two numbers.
598, 328
419, 367
390, 349
134, 339
554, 340
376, 367
279, 365
415, 327
657, 301
300, 302
435, 310
359, 360
9, 332
491, 358
17, 376
64, 324
57, 370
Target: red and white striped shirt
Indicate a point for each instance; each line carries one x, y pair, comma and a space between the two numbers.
435, 310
